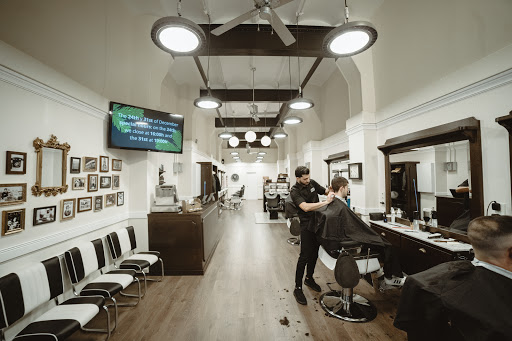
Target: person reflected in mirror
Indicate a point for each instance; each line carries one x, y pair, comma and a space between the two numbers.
304, 195
464, 300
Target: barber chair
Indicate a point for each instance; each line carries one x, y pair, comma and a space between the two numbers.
348, 267
235, 202
292, 220
273, 204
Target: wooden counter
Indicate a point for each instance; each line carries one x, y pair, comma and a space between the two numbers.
186, 241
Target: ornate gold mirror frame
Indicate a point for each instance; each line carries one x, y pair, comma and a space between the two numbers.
52, 143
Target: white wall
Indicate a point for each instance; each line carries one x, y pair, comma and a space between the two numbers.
262, 169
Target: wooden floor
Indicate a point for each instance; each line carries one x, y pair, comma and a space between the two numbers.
246, 294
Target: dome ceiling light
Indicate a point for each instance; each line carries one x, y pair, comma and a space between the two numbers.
280, 133
234, 153
177, 35
349, 39
292, 120
262, 153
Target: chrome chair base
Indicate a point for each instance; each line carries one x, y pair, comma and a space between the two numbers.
294, 241
359, 310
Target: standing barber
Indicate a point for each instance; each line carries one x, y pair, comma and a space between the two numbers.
304, 195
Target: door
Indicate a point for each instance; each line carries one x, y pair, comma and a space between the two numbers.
251, 188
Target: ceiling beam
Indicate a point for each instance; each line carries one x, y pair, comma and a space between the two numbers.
246, 40
241, 135
245, 122
245, 95
205, 80
283, 111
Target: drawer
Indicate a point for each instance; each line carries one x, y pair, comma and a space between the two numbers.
417, 256
390, 236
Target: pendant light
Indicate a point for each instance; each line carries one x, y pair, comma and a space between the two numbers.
350, 38
225, 135
265, 140
292, 120
177, 35
208, 102
250, 136
233, 140
299, 103
280, 133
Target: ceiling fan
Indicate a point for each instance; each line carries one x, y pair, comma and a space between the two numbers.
265, 9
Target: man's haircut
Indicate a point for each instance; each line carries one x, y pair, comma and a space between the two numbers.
338, 182
487, 233
300, 171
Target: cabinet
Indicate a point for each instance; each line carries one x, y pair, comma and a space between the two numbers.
403, 179
186, 241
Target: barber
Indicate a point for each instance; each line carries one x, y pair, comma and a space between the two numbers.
304, 195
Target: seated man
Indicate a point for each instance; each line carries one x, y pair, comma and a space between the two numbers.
336, 223
464, 300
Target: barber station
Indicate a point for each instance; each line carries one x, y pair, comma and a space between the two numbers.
255, 170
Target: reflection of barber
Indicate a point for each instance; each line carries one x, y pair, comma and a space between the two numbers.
304, 195
463, 300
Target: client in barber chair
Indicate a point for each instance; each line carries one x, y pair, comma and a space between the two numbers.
464, 300
336, 222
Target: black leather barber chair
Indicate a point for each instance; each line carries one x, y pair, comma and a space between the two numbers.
348, 267
273, 204
292, 220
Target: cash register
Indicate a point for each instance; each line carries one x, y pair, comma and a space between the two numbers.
166, 199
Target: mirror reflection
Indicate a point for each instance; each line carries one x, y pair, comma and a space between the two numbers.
436, 182
51, 170
51, 167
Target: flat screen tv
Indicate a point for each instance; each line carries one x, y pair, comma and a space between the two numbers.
136, 128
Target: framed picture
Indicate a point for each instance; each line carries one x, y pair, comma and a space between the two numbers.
117, 165
13, 221
84, 204
12, 194
120, 198
92, 182
116, 181
75, 165
355, 171
67, 209
44, 215
16, 163
110, 199
105, 181
90, 164
104, 164
98, 203
77, 183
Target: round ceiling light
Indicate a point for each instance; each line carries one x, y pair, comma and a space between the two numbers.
236, 157
266, 141
234, 153
259, 157
300, 103
280, 134
178, 36
207, 102
233, 141
350, 39
262, 153
292, 120
250, 136
225, 135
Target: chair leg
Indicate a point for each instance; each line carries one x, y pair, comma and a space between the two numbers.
162, 272
114, 304
139, 296
294, 240
348, 306
107, 330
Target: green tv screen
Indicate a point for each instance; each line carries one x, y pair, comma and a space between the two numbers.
138, 128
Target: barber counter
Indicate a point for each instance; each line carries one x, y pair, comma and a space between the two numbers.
417, 251
186, 241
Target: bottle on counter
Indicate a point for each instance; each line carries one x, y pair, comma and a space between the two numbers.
393, 217
416, 221
433, 220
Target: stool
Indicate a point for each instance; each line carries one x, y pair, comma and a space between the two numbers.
344, 304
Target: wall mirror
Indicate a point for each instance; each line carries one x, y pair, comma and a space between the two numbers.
51, 167
337, 165
438, 159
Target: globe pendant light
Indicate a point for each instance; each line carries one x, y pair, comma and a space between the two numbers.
233, 140
350, 38
177, 35
299, 103
266, 141
225, 134
208, 102
250, 136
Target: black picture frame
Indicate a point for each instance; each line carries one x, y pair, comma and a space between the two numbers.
73, 165
44, 215
355, 171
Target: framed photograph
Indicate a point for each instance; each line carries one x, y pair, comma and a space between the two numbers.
355, 171
75, 164
67, 209
16, 163
110, 199
77, 183
13, 221
12, 194
44, 215
98, 203
117, 165
120, 198
104, 164
105, 181
84, 204
92, 182
116, 181
90, 164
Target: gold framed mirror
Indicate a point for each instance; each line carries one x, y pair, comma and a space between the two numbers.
51, 167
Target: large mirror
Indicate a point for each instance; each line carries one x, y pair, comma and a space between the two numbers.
51, 167
426, 169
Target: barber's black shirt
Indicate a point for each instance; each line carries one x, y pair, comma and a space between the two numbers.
309, 194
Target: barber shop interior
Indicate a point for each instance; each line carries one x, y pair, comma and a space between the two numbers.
256, 170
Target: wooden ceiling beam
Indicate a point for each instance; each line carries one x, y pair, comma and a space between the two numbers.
245, 95
245, 122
